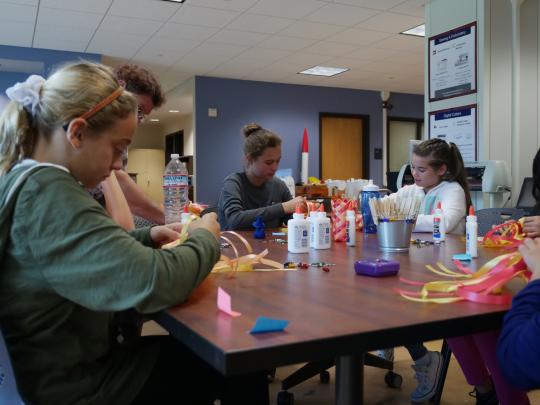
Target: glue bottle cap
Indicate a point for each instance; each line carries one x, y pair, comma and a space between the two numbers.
298, 209
471, 211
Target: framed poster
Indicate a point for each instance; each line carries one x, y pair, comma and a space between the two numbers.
452, 63
457, 125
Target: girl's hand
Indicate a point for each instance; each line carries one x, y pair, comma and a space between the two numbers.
208, 222
530, 250
290, 206
531, 226
163, 234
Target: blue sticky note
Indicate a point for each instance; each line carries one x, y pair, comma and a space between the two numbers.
462, 257
263, 324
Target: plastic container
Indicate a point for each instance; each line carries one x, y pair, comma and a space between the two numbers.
175, 189
298, 233
439, 227
376, 268
368, 192
351, 228
320, 230
311, 219
471, 232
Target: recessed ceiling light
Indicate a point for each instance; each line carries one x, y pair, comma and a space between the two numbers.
419, 31
175, 1
174, 111
154, 120
323, 71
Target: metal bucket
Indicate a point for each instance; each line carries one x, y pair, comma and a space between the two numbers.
395, 236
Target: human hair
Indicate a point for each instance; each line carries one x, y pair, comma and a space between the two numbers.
70, 92
536, 177
441, 152
139, 80
258, 139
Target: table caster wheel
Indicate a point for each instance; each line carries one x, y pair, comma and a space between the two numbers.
324, 376
285, 398
393, 380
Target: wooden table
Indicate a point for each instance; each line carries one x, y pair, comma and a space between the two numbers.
332, 315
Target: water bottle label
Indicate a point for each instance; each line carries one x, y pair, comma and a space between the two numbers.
175, 180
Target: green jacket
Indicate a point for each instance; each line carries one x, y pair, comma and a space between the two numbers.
66, 268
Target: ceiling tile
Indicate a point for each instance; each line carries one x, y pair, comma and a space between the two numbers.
234, 5
18, 13
200, 63
16, 33
65, 18
357, 36
220, 49
401, 42
21, 2
130, 25
60, 44
186, 31
286, 43
94, 6
260, 23
376, 4
50, 33
145, 9
236, 37
208, 17
176, 46
307, 59
412, 7
370, 53
116, 43
330, 48
391, 22
233, 72
265, 55
340, 14
243, 64
286, 8
350, 63
310, 30
297, 78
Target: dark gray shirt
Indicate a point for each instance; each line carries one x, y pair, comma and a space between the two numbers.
240, 202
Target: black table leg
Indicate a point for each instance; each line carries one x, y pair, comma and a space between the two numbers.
350, 380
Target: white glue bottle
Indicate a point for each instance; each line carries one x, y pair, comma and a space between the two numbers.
312, 218
351, 228
185, 216
471, 231
439, 227
298, 232
320, 231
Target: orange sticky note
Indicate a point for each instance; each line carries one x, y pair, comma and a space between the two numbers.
224, 303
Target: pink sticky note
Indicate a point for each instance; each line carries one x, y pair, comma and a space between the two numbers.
224, 303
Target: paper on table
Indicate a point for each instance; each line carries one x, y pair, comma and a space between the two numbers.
224, 303
263, 324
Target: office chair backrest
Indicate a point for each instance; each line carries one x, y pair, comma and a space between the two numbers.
8, 388
488, 217
526, 198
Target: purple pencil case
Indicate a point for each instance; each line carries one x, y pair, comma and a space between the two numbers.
376, 268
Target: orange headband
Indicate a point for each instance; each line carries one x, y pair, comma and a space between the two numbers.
102, 104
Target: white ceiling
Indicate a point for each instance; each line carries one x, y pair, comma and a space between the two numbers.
267, 40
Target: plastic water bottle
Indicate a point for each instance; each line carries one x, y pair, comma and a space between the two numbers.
368, 192
175, 189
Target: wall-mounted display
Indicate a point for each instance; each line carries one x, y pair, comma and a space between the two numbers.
457, 125
452, 63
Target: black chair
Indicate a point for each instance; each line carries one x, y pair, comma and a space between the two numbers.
392, 379
488, 217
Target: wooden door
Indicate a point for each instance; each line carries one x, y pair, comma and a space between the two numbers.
344, 153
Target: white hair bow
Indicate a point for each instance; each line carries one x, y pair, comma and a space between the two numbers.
27, 93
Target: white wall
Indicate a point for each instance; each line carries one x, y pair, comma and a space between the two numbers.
182, 122
508, 127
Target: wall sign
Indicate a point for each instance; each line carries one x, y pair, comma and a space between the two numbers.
457, 125
452, 63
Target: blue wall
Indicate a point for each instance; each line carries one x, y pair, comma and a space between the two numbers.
287, 110
51, 59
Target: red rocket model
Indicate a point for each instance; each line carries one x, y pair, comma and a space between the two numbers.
305, 158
